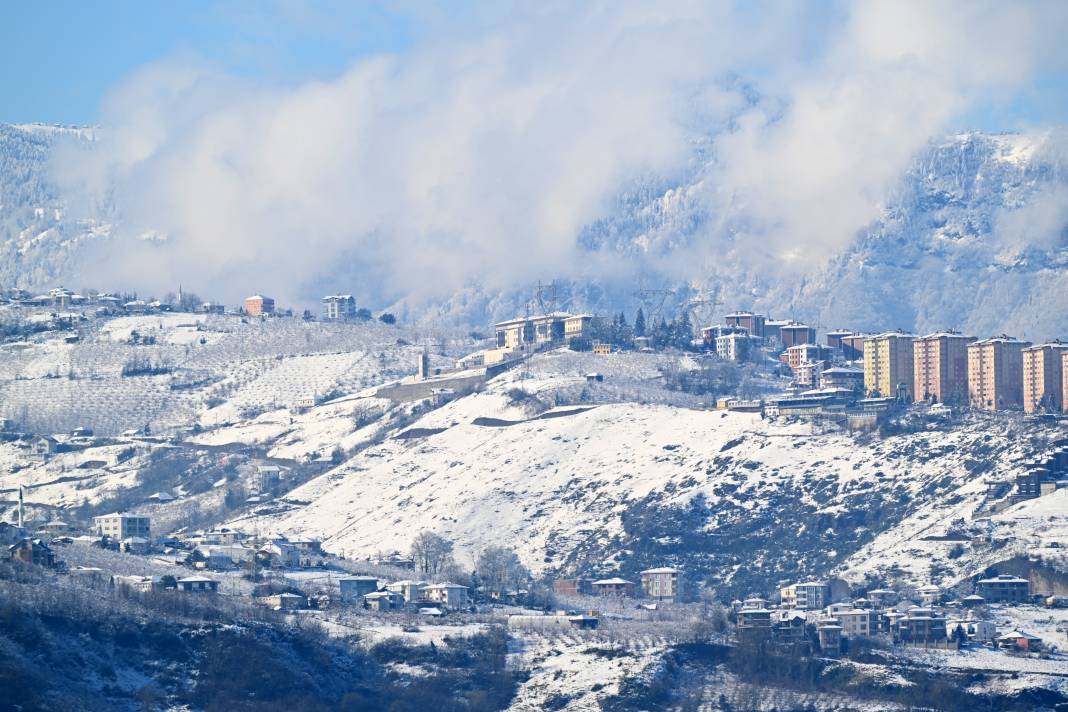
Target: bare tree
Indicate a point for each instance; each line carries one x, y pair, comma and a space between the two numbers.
500, 569
431, 552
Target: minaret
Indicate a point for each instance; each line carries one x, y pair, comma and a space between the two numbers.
424, 364
20, 507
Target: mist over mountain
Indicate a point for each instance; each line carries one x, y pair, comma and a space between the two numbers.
972, 236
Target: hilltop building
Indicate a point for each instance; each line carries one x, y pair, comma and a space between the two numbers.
752, 323
662, 584
257, 305
940, 367
339, 307
1043, 378
122, 526
547, 329
888, 364
995, 373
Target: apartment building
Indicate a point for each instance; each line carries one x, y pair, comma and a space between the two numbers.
662, 584
940, 367
752, 323
809, 596
995, 373
531, 331
793, 333
888, 364
258, 305
736, 347
806, 353
338, 307
122, 526
853, 347
1043, 378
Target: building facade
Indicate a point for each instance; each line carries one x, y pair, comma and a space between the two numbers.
995, 373
662, 584
940, 367
1043, 378
339, 307
752, 323
809, 596
122, 526
257, 305
888, 364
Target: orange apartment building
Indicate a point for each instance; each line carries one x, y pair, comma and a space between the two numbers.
940, 367
258, 306
995, 373
1043, 378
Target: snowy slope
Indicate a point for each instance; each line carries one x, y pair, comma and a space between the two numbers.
740, 501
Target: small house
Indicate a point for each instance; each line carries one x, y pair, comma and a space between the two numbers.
31, 551
197, 584
411, 590
573, 587
450, 595
383, 601
1019, 640
44, 446
138, 584
356, 587
613, 587
1004, 588
286, 601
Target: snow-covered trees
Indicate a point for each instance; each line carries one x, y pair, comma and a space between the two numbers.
431, 552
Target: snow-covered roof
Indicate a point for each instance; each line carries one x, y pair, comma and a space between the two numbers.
661, 570
611, 582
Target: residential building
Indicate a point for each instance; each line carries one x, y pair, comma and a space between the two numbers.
920, 624
940, 367
1019, 640
197, 584
44, 446
31, 551
806, 353
122, 526
383, 601
792, 334
858, 622
810, 373
411, 591
888, 365
752, 323
1064, 380
1043, 378
736, 347
138, 584
613, 587
837, 337
830, 636
339, 307
573, 587
582, 326
356, 587
853, 347
809, 596
842, 377
450, 595
531, 331
995, 373
662, 584
258, 305
1004, 588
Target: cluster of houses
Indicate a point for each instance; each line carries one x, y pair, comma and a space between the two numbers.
663, 585
947, 367
335, 307
807, 616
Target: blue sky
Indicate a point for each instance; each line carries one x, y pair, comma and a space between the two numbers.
59, 60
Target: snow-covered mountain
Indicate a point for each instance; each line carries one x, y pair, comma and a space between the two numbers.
973, 237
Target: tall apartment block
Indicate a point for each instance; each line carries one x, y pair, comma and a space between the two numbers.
1043, 378
995, 373
940, 367
753, 323
258, 305
338, 307
888, 364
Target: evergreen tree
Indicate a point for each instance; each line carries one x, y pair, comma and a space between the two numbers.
639, 323
684, 332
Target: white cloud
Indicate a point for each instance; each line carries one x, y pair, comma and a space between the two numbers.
480, 153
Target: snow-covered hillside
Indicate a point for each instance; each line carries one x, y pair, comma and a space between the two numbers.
214, 369
742, 503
